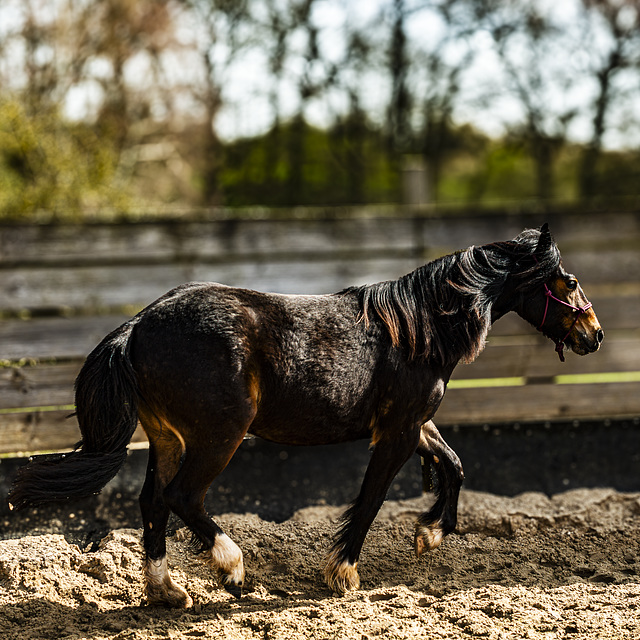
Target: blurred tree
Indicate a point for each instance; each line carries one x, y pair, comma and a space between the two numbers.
226, 31
88, 47
118, 33
109, 102
443, 64
399, 112
524, 38
51, 168
616, 54
306, 88
358, 144
276, 43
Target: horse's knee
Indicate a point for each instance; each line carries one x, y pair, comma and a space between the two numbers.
175, 499
181, 498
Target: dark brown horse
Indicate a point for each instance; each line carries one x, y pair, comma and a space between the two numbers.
207, 364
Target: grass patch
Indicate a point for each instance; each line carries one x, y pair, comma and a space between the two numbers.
54, 407
598, 378
520, 381
479, 383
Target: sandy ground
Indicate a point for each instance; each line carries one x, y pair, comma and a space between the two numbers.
524, 567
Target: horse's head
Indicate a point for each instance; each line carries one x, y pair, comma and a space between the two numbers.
557, 305
568, 317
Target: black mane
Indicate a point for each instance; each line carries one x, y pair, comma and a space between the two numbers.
443, 309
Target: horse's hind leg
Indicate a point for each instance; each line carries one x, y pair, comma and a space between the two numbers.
442, 518
185, 495
165, 451
208, 449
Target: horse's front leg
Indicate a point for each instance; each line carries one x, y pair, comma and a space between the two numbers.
442, 518
392, 449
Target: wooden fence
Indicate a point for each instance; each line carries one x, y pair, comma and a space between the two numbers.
63, 287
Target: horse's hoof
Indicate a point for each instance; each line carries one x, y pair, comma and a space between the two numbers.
341, 575
427, 538
172, 595
234, 590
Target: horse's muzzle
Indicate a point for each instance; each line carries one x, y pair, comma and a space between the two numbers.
583, 343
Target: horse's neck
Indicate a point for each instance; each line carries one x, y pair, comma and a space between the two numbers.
507, 301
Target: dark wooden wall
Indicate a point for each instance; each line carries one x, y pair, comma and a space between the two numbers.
63, 287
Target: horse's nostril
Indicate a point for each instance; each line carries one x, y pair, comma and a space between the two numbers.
599, 335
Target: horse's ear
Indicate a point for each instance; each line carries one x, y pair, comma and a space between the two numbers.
545, 241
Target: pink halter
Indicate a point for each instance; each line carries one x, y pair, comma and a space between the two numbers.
579, 310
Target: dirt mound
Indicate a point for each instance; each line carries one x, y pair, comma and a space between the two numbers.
524, 567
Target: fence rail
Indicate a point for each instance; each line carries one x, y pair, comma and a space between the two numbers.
63, 287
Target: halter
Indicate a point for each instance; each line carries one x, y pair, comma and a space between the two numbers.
579, 310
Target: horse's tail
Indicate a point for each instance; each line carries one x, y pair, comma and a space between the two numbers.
107, 411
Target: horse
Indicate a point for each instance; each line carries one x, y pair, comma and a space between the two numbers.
207, 364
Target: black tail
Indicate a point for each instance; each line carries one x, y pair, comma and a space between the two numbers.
107, 411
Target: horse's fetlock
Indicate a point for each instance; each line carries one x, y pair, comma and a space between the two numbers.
160, 589
225, 557
428, 536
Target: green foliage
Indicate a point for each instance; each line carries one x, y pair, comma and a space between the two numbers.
503, 172
333, 167
619, 175
54, 168
337, 168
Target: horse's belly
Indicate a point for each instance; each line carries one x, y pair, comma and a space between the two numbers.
308, 430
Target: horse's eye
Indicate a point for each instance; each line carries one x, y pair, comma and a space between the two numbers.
572, 284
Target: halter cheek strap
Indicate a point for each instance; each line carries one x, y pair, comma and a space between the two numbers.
579, 311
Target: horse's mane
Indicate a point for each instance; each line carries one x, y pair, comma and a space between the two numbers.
443, 309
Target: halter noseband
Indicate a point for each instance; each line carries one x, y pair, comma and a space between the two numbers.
579, 310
